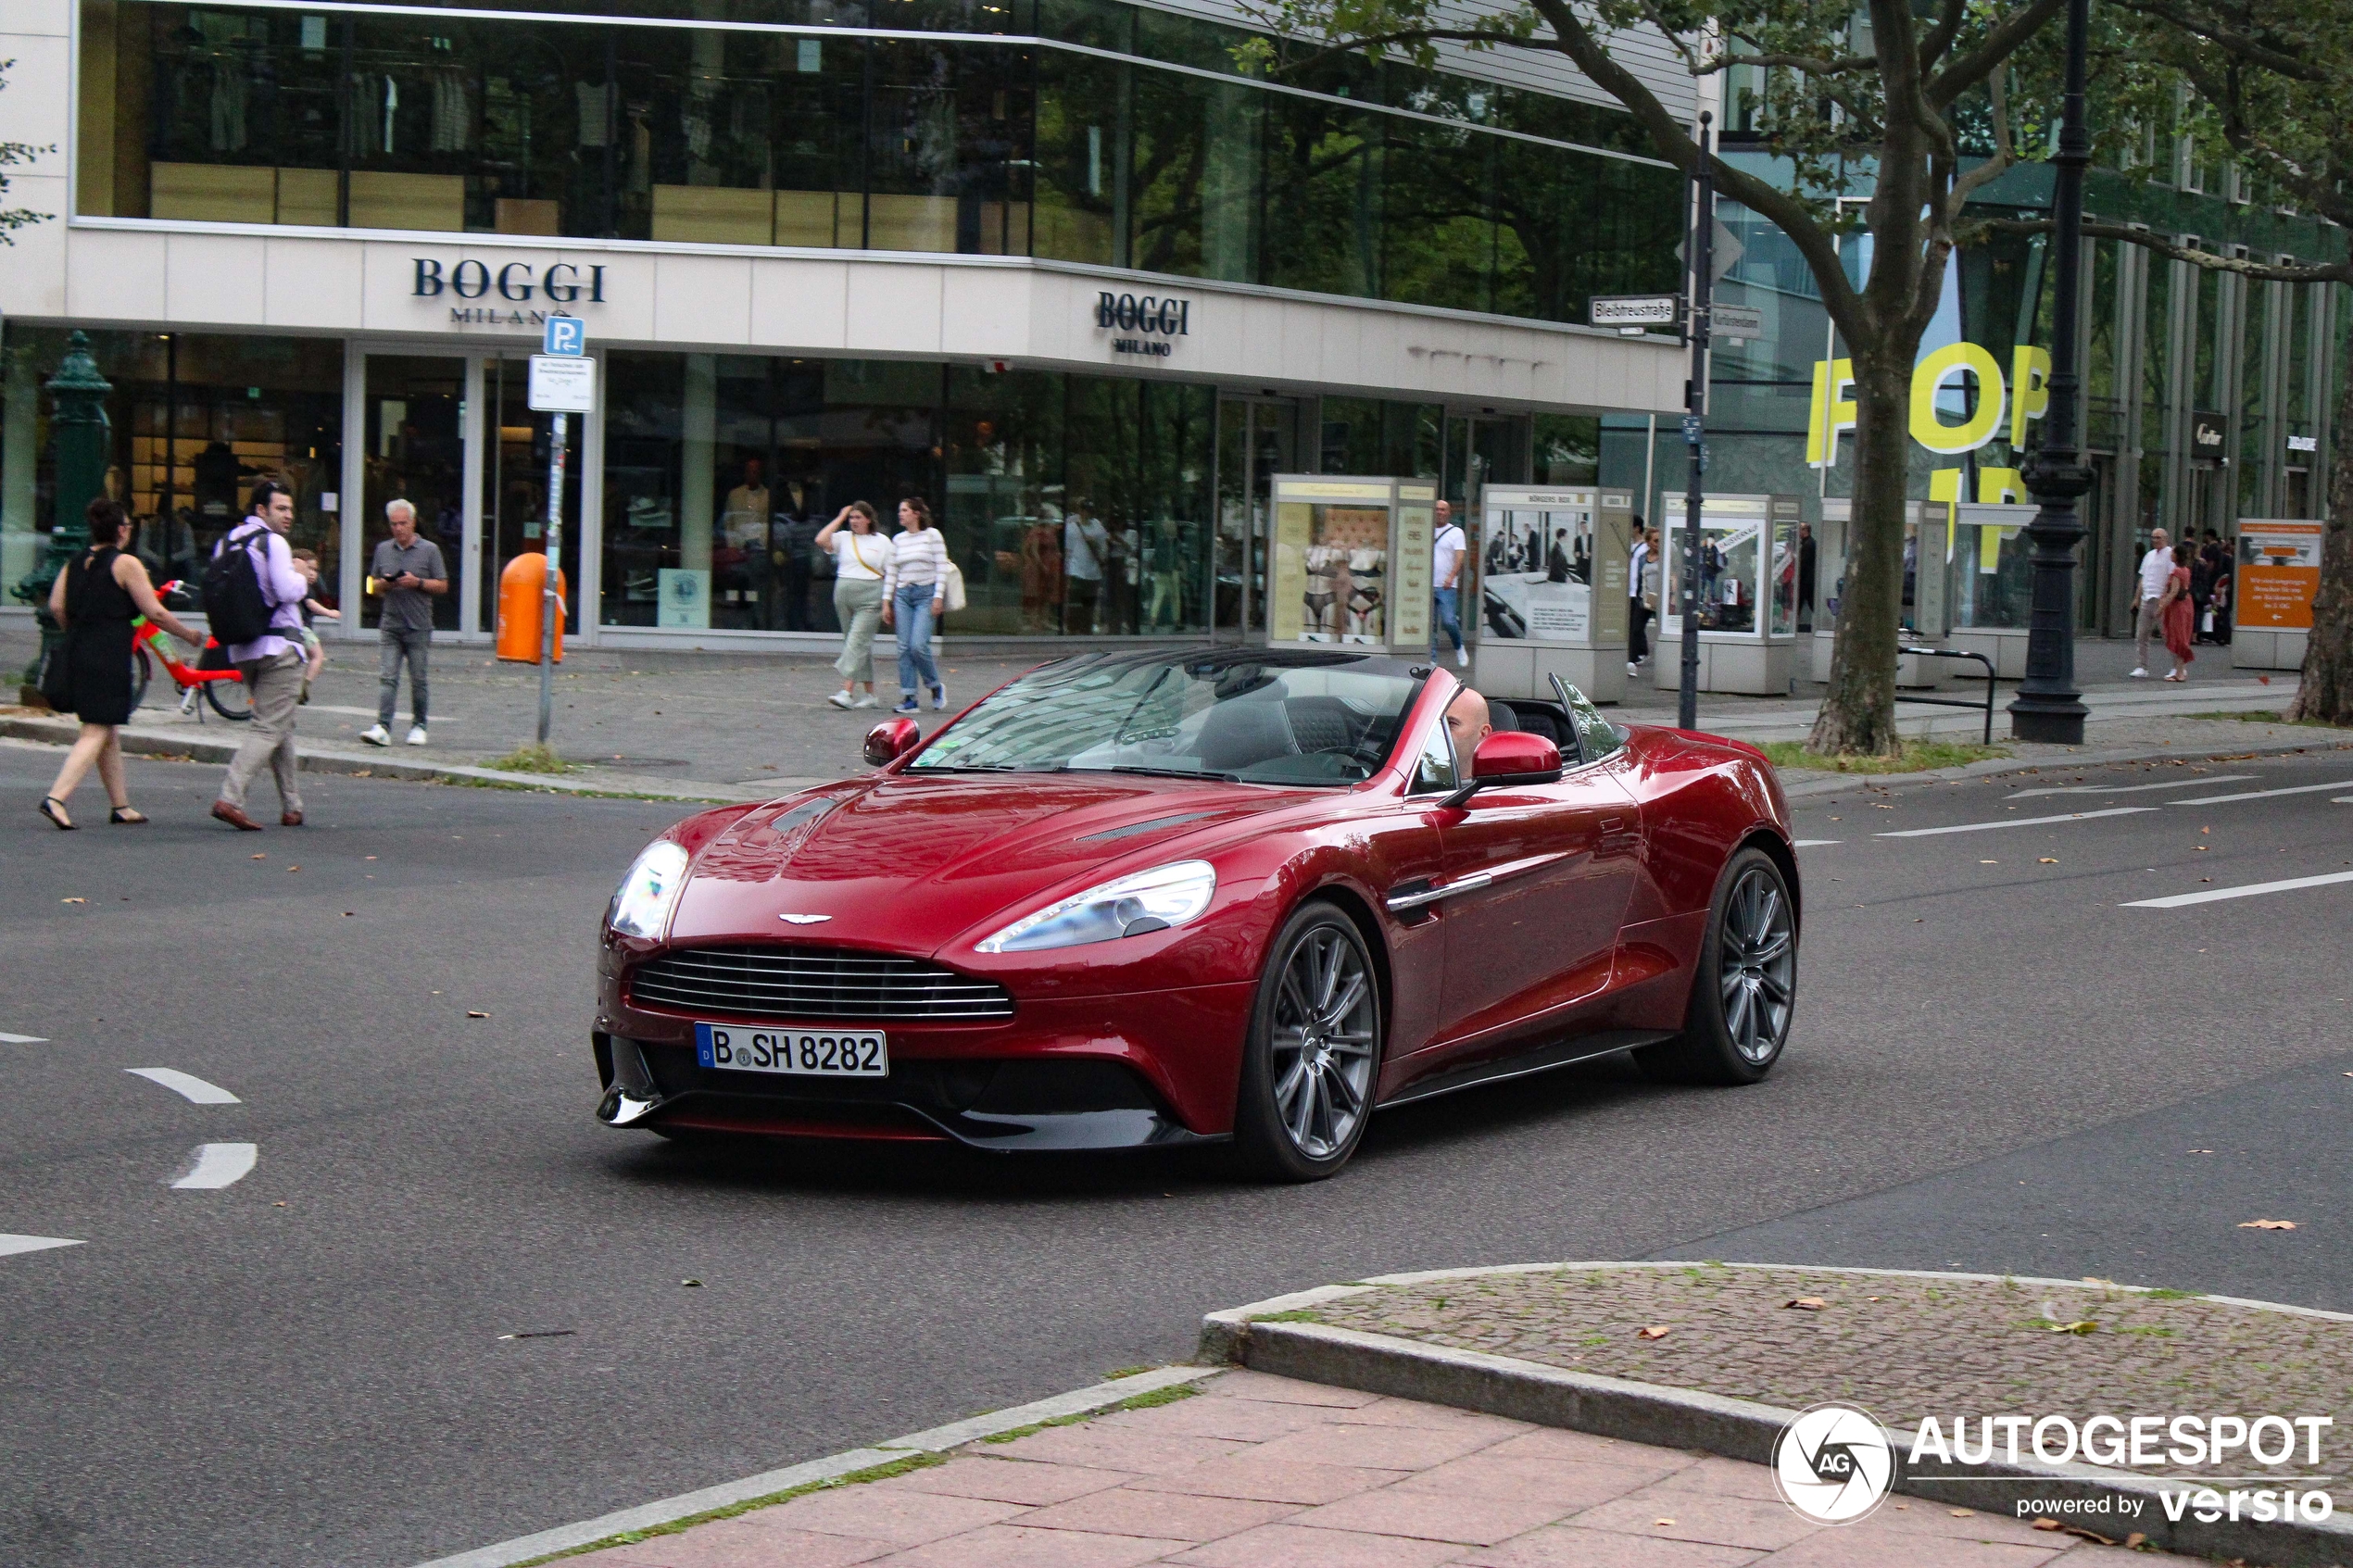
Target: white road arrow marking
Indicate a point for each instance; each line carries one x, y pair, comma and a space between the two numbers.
2251, 890
2019, 821
2128, 789
22, 1040
10, 1245
1812, 842
219, 1165
2259, 794
186, 1084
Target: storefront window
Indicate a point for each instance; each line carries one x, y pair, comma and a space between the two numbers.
195, 420
426, 119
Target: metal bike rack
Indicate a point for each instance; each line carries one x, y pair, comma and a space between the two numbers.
1955, 701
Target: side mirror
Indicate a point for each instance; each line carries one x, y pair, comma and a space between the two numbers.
890, 740
1506, 759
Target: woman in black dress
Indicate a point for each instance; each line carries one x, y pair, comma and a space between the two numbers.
94, 599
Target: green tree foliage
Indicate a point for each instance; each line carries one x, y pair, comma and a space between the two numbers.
15, 154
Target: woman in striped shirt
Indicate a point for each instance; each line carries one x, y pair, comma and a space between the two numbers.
913, 588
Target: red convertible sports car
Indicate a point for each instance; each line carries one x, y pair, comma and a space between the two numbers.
1152, 898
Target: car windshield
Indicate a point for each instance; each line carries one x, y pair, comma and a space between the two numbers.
1255, 716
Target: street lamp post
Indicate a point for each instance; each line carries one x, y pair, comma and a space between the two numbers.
2048, 707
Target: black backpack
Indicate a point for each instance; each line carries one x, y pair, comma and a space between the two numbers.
233, 599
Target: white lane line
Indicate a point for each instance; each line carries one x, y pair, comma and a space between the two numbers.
186, 1084
2251, 890
2129, 789
1813, 842
2016, 822
11, 1245
2261, 794
22, 1040
219, 1165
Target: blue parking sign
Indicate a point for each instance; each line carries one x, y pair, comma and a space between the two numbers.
566, 334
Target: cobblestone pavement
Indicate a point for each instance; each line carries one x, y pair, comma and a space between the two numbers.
1261, 1472
1901, 1346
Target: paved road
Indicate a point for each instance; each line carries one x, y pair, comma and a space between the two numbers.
1994, 1066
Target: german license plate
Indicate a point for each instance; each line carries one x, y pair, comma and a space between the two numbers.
816, 1053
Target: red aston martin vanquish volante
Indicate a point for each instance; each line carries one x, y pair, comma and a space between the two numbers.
1181, 895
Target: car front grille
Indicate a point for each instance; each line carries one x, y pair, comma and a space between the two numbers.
813, 984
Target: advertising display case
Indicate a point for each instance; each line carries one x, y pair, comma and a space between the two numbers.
1350, 561
1544, 589
1989, 583
1925, 617
2275, 570
1747, 595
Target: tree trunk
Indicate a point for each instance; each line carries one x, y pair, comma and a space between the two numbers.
1858, 710
2326, 691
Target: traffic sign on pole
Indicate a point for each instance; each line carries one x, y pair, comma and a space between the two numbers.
562, 384
565, 335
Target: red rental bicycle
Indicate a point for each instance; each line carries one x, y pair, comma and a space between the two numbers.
212, 676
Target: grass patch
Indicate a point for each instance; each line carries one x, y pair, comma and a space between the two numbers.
855, 1478
1918, 755
1116, 1373
1167, 1395
2269, 716
537, 757
1284, 1317
2170, 1295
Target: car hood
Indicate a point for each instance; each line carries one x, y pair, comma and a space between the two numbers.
908, 863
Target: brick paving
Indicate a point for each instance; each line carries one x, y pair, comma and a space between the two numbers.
1903, 1348
1260, 1471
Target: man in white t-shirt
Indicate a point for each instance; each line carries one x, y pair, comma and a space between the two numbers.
1446, 577
1638, 644
2157, 570
1084, 544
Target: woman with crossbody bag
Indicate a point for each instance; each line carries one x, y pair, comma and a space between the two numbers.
860, 557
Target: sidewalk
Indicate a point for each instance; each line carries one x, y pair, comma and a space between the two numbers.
1262, 1472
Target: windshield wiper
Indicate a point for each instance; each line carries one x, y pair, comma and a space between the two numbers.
1166, 772
987, 767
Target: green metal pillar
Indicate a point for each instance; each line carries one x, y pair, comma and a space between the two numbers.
79, 427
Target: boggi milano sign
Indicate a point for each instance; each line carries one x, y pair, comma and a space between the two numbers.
506, 293
1148, 324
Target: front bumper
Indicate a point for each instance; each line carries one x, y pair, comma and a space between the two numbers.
1156, 1070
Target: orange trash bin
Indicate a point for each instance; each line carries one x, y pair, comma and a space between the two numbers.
521, 592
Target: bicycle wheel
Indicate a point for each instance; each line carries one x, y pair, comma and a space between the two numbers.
231, 700
141, 671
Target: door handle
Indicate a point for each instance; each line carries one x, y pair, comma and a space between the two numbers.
1398, 903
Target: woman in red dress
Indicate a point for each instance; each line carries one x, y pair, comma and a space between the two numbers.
2178, 616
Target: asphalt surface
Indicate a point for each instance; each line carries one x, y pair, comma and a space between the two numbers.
1995, 1066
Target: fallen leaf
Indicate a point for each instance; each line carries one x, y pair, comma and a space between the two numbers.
1662, 1522
2200, 849
1807, 1304
349, 913
2048, 1524
1961, 1512
2082, 1534
470, 1013
691, 1283
2083, 1325
1655, 1331
2267, 1224
2050, 860
2135, 1541
364, 773
294, 868
73, 900
260, 857
1989, 862
370, 857
542, 1334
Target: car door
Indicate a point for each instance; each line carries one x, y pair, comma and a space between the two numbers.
1538, 934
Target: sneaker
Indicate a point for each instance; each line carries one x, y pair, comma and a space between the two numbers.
416, 735
1462, 657
938, 698
840, 700
868, 700
2140, 674
376, 734
906, 705
1633, 668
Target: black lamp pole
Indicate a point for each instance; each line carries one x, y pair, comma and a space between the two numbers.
1686, 589
2048, 707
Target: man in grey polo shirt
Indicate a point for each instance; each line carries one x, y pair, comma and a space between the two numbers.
407, 573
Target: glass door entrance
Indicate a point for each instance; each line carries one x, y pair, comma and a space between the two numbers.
415, 452
514, 487
1257, 438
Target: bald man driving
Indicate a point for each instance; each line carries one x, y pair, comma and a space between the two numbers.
1467, 721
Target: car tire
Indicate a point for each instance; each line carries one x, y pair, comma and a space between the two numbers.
1312, 1060
1744, 992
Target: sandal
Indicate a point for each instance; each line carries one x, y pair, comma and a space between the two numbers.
127, 816
54, 810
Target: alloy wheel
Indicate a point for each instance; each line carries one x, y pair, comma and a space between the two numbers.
1756, 965
1325, 1016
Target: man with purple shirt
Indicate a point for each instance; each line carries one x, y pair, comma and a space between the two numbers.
271, 665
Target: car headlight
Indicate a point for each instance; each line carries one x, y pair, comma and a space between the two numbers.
1151, 900
641, 905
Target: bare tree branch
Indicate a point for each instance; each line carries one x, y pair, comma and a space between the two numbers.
1999, 44
2245, 267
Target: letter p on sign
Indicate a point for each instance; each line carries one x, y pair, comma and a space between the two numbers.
566, 334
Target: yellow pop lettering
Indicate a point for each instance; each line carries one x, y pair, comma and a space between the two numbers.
1832, 412
2031, 391
1929, 378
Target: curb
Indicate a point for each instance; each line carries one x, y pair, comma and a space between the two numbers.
937, 1439
1740, 1429
1808, 782
148, 743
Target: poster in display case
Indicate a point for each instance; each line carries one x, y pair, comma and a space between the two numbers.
1746, 592
1350, 562
1550, 565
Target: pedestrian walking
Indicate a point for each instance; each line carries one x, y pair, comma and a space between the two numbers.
2156, 571
1086, 545
314, 651
913, 586
271, 663
92, 601
2174, 608
2219, 607
409, 574
1446, 573
861, 556
1638, 613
